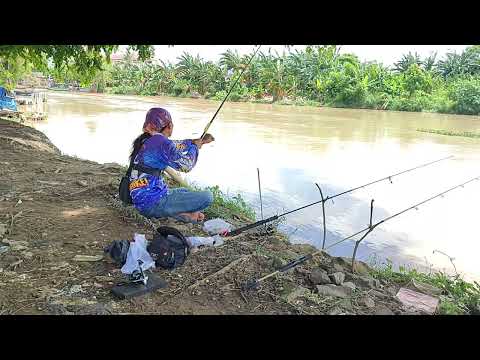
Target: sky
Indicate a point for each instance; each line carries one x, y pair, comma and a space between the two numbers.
387, 54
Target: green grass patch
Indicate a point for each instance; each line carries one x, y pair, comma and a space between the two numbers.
459, 297
223, 206
451, 133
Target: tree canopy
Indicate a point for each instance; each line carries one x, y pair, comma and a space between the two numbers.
84, 61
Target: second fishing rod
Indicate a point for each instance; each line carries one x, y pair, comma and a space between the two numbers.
323, 200
253, 284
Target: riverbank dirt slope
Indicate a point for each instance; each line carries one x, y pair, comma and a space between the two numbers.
54, 207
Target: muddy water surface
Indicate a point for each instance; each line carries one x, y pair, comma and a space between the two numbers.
294, 147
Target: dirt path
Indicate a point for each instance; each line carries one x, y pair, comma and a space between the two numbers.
53, 207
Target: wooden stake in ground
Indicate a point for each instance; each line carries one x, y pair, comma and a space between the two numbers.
221, 271
10, 231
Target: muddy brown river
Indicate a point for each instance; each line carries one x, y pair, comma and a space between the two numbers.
294, 147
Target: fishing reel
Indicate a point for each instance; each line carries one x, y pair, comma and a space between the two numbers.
250, 285
138, 276
265, 230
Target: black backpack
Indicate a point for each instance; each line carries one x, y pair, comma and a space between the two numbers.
118, 251
123, 188
169, 248
124, 191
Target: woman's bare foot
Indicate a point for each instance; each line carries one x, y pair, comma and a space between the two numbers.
201, 216
190, 216
194, 217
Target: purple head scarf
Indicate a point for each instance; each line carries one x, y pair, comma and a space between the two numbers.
156, 120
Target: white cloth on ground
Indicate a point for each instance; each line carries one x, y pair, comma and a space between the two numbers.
197, 241
137, 251
216, 226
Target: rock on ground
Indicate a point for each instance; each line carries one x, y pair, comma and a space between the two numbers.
319, 277
383, 310
88, 257
336, 311
304, 248
368, 302
380, 294
296, 293
82, 183
338, 267
97, 309
335, 291
426, 288
369, 282
337, 278
362, 268
3, 229
27, 255
350, 285
58, 309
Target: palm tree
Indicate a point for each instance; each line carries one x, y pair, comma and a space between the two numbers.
199, 73
231, 60
166, 77
453, 64
273, 76
187, 65
429, 62
407, 60
468, 62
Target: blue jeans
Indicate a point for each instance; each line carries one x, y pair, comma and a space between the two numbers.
180, 200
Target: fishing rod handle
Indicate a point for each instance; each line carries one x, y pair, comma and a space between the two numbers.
206, 129
251, 226
295, 262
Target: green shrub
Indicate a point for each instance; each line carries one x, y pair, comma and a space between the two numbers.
417, 102
219, 95
181, 88
123, 90
465, 93
225, 206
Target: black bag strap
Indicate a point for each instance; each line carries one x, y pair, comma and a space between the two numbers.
147, 170
143, 169
130, 167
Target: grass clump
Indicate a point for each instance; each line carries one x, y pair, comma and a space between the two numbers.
225, 206
459, 297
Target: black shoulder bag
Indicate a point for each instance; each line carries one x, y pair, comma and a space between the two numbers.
169, 248
123, 188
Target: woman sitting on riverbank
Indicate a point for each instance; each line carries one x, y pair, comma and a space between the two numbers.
150, 195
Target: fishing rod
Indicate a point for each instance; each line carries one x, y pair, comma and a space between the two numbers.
253, 284
172, 172
231, 88
323, 200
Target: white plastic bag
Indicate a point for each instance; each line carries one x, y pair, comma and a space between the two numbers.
216, 226
197, 241
137, 251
